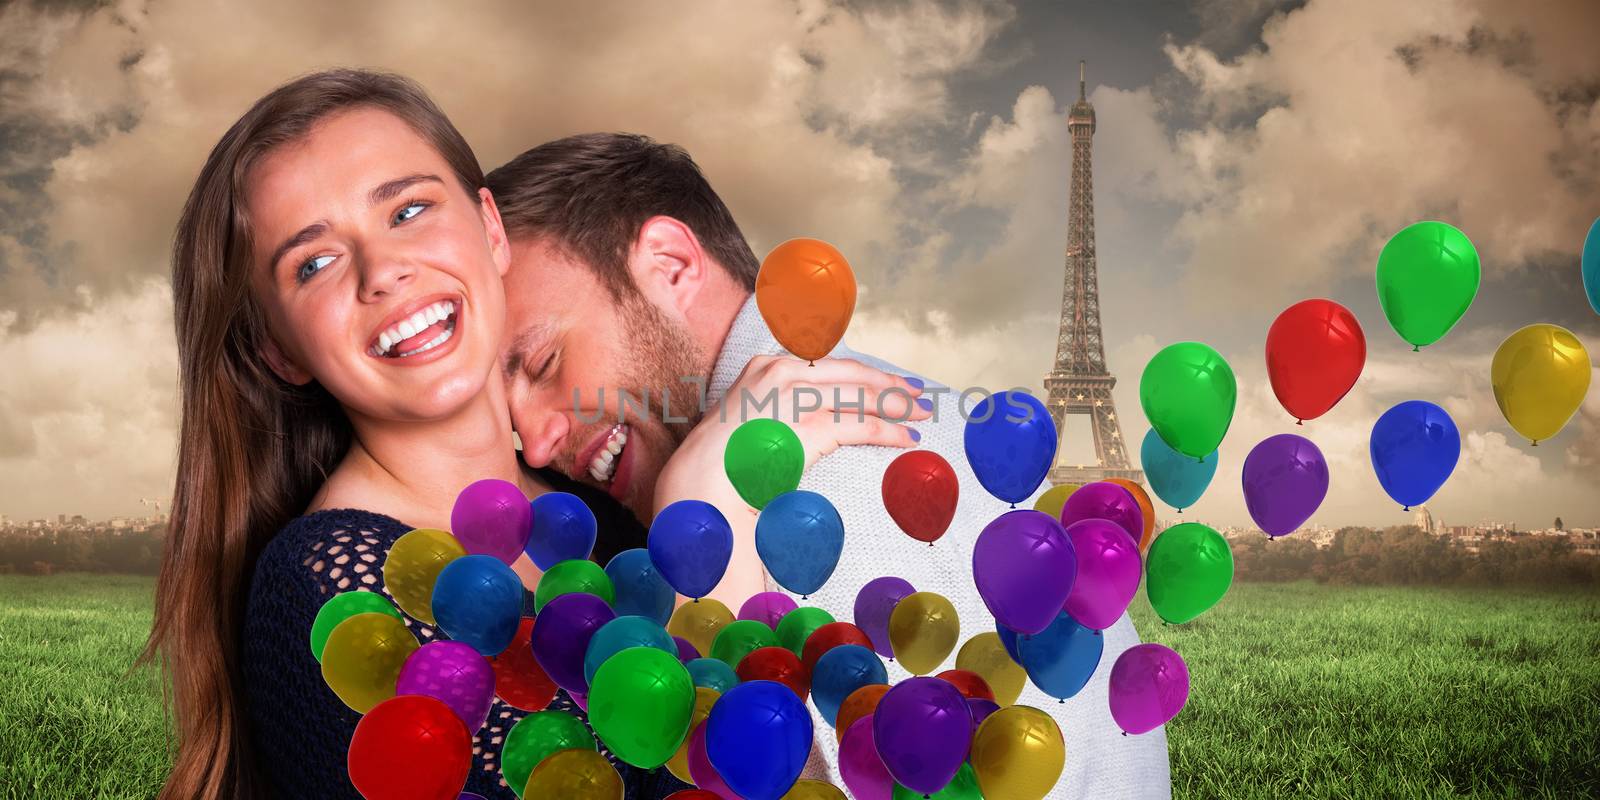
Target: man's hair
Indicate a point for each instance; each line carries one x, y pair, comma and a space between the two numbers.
591, 193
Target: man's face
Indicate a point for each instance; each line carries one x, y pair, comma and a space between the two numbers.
572, 351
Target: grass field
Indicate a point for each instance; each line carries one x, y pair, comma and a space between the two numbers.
1298, 690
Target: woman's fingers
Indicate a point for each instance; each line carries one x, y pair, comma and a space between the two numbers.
821, 435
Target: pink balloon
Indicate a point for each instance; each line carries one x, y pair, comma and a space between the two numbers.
492, 517
453, 673
1149, 686
864, 773
1109, 568
1104, 500
706, 776
767, 608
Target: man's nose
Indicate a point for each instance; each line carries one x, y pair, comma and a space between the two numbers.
542, 431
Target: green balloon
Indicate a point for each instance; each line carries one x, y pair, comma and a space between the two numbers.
1188, 393
964, 786
573, 575
797, 625
1428, 275
1188, 569
640, 704
740, 638
764, 459
343, 606
536, 736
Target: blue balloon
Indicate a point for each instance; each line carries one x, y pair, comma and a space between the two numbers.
690, 544
712, 673
563, 529
1591, 266
1177, 479
641, 591
620, 634
758, 737
839, 672
1010, 443
1414, 447
799, 537
1008, 638
477, 599
1061, 658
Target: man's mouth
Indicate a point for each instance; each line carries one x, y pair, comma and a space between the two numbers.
424, 329
607, 453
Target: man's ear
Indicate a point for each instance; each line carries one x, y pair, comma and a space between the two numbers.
281, 365
667, 263
494, 230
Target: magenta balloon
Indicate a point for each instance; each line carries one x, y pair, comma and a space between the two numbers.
864, 773
767, 608
981, 708
1104, 500
454, 673
1285, 480
1108, 573
923, 730
1149, 685
492, 517
1024, 566
706, 776
686, 649
874, 604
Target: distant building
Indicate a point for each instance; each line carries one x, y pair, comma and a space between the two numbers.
1423, 519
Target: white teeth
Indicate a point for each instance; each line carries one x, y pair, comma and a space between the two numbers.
407, 330
605, 461
414, 325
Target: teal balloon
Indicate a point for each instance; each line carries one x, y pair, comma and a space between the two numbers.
1591, 266
620, 634
1188, 392
1428, 275
799, 537
1175, 478
712, 674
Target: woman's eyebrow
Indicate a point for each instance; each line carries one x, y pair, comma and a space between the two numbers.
388, 190
304, 235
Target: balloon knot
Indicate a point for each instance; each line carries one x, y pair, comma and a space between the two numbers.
811, 363
1416, 349
805, 597
1180, 511
1299, 422
1535, 442
1405, 508
1060, 701
1124, 733
695, 600
1014, 505
1097, 633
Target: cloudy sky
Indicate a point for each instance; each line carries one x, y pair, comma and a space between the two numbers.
1250, 154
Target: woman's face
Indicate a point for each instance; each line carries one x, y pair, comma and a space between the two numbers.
379, 274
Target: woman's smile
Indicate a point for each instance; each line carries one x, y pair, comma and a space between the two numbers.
419, 332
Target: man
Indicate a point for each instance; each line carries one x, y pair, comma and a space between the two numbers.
629, 275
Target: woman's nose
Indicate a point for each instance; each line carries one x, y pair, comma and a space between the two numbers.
383, 272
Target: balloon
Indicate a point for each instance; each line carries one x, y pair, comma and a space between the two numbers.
534, 738
1010, 443
1428, 275
985, 656
981, 708
341, 607
478, 600
640, 704
712, 674
620, 634
693, 794
454, 673
758, 737
1018, 752
1008, 638
705, 776
767, 608
686, 651
861, 702
1061, 659
690, 544
1149, 685
1108, 501
777, 664
576, 775
699, 622
1540, 376
841, 671
561, 635
1175, 478
969, 683
740, 638
806, 293
920, 492
1591, 266
924, 629
798, 625
492, 517
1147, 510
763, 459
1414, 448
413, 566
922, 729
1188, 393
814, 790
519, 681
874, 604
1108, 573
571, 577
964, 786
1315, 352
362, 659
1054, 498
1188, 569
410, 747
563, 529
1024, 565
678, 765
826, 638
859, 765
1285, 480
799, 537
640, 589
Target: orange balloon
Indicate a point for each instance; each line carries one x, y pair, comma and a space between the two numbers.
806, 292
860, 703
1145, 508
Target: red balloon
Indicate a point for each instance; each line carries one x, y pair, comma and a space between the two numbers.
410, 746
828, 637
971, 684
1315, 352
518, 678
694, 794
920, 492
776, 664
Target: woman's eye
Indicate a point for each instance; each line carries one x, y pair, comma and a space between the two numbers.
411, 210
312, 267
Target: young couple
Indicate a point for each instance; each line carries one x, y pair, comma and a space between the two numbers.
364, 319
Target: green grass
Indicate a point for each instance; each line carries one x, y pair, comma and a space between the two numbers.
1298, 690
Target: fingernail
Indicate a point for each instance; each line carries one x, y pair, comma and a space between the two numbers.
915, 435
925, 403
916, 383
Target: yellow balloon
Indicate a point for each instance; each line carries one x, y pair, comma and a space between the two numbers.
813, 790
362, 659
986, 655
1540, 376
678, 765
923, 629
575, 775
1054, 498
1018, 754
699, 622
413, 565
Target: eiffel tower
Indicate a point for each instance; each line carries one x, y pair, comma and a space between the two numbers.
1080, 383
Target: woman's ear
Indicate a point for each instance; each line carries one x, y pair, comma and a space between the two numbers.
667, 263
494, 230
281, 365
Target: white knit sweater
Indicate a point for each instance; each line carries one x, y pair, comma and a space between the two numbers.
1101, 762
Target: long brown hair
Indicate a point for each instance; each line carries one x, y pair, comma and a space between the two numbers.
252, 449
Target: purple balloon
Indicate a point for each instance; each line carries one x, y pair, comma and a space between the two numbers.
706, 776
454, 673
767, 608
923, 730
863, 772
561, 634
1285, 480
1104, 500
1149, 685
874, 603
1108, 573
981, 708
1024, 566
492, 517
470, 796
686, 649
